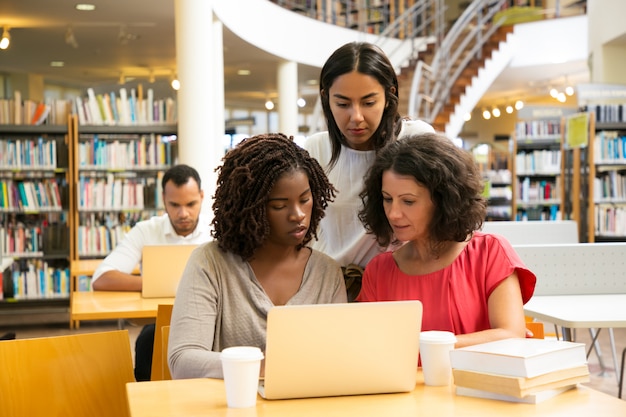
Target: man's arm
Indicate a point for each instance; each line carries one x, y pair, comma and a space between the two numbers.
117, 281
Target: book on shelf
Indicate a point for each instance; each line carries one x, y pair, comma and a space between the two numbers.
519, 386
519, 356
529, 399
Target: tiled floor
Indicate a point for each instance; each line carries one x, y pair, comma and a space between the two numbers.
604, 381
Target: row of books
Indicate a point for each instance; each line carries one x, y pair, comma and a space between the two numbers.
121, 152
28, 154
610, 220
20, 240
533, 191
543, 213
31, 196
110, 194
537, 129
609, 147
540, 161
519, 370
608, 113
15, 111
99, 240
127, 108
610, 186
35, 279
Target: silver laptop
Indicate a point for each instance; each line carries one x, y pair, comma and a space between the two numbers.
341, 349
161, 269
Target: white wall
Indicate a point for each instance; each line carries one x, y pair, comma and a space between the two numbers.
608, 54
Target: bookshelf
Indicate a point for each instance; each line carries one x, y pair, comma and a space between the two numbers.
35, 184
117, 171
537, 164
607, 182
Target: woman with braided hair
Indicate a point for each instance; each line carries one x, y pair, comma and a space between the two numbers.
269, 200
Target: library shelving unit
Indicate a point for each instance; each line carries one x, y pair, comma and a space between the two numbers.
117, 172
35, 185
536, 164
607, 182
499, 194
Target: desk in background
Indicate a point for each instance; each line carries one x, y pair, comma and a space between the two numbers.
79, 268
207, 397
113, 305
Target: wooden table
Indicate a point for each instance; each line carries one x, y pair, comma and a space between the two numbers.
78, 268
113, 305
207, 397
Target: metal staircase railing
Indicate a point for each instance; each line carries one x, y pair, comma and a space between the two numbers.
464, 42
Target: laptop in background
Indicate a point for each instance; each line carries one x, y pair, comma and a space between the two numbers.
162, 267
326, 350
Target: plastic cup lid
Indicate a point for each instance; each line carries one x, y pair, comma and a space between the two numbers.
242, 353
437, 336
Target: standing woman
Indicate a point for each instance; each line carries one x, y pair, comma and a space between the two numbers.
425, 193
359, 93
269, 199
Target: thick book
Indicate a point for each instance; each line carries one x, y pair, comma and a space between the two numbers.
529, 399
519, 357
519, 386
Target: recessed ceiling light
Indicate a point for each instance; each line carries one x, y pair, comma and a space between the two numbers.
57, 64
243, 72
85, 7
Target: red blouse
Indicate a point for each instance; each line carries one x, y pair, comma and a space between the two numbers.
455, 297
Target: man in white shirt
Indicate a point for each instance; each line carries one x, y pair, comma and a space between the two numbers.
181, 224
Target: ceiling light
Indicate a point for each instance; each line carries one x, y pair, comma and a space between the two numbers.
269, 105
85, 7
467, 117
569, 90
561, 97
57, 64
243, 72
6, 38
301, 102
553, 92
519, 104
175, 84
509, 109
486, 115
495, 112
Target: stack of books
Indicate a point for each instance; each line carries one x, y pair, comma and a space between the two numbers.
519, 370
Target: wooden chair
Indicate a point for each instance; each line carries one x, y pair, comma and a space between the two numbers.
165, 337
71, 376
537, 329
164, 315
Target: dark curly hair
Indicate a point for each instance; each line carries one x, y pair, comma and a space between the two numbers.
368, 59
447, 171
245, 179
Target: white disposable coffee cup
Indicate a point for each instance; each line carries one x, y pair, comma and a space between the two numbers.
241, 366
435, 347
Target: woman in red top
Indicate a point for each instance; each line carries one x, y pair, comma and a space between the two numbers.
470, 283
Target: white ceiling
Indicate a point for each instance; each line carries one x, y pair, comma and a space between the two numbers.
38, 29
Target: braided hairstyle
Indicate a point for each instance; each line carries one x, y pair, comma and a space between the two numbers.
245, 180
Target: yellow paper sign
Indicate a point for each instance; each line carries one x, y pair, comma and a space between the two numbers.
577, 130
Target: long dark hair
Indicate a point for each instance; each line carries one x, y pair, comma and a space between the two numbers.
368, 59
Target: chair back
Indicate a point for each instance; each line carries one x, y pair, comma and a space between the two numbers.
72, 376
164, 316
165, 337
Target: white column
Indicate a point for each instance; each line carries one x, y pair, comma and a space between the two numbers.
199, 59
287, 98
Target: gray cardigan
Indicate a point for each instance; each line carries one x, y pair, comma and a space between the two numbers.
220, 303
